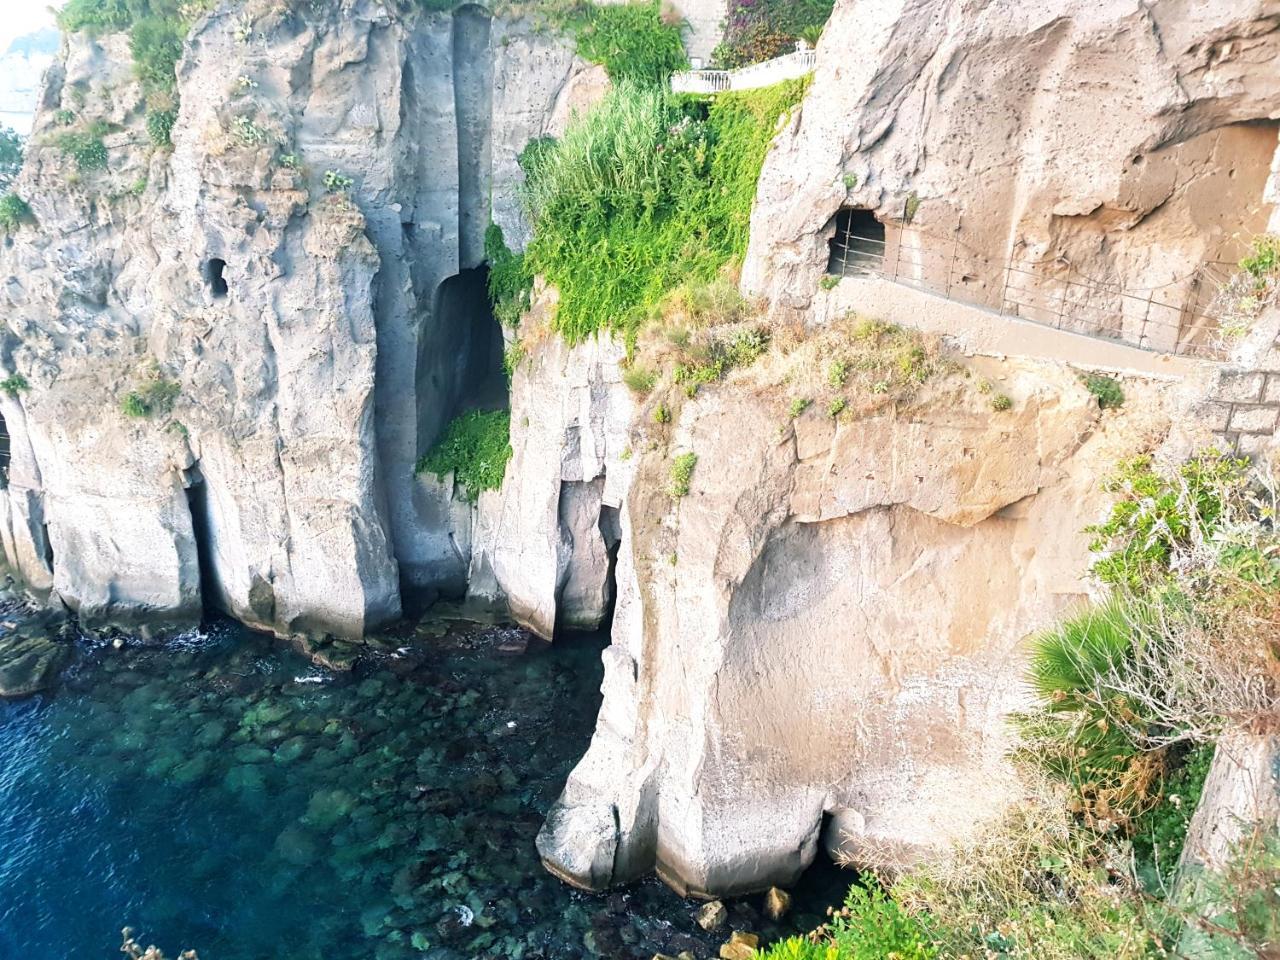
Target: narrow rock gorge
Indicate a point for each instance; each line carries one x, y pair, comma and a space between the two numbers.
818, 566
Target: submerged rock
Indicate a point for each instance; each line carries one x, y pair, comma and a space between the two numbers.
30, 664
712, 916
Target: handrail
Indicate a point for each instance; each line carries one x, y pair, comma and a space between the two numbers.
790, 66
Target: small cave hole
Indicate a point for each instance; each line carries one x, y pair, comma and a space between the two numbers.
213, 275
858, 243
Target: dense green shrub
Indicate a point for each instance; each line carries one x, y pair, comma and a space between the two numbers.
682, 473
1159, 833
642, 195
475, 448
11, 149
633, 41
1263, 263
870, 926
510, 283
14, 384
156, 45
85, 147
1106, 389
156, 396
160, 127
1156, 514
757, 30
14, 212
96, 16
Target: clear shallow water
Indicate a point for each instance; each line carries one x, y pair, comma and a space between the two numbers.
223, 794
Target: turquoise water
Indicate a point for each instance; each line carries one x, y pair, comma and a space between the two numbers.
221, 793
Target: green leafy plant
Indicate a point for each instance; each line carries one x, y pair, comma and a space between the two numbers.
1155, 514
911, 207
85, 147
643, 195
14, 384
156, 396
836, 406
160, 127
335, 182
95, 16
14, 212
798, 406
829, 281
1106, 389
1263, 262
510, 283
1001, 402
11, 151
475, 448
634, 41
682, 473
250, 134
850, 181
758, 30
838, 373
662, 413
512, 357
1159, 832
64, 118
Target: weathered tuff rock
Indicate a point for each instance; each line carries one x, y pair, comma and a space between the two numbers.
29, 664
320, 341
826, 629
1121, 141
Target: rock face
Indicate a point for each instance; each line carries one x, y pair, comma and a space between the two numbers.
817, 646
1119, 145
319, 340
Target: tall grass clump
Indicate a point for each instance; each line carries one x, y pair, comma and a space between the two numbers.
644, 194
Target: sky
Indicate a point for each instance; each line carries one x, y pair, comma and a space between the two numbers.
20, 17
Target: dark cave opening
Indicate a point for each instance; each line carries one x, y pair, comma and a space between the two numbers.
213, 275
858, 244
201, 530
460, 363
4, 453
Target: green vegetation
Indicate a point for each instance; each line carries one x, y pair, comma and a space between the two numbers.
1106, 389
1001, 402
1157, 515
14, 212
512, 357
1263, 263
85, 146
836, 406
335, 182
639, 379
682, 473
11, 149
160, 127
829, 282
798, 406
757, 30
838, 373
475, 448
510, 283
14, 384
662, 413
643, 195
870, 926
155, 397
633, 41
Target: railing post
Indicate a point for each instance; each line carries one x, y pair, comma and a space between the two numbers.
1146, 318
951, 264
1066, 291
1004, 290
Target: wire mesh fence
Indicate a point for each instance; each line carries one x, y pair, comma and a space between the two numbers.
1176, 317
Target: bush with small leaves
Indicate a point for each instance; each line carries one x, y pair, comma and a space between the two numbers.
1001, 402
14, 212
85, 147
1106, 389
661, 413
798, 406
336, 182
829, 281
14, 384
682, 473
160, 127
64, 118
475, 448
836, 407
838, 373
156, 396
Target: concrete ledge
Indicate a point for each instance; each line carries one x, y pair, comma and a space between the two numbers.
977, 330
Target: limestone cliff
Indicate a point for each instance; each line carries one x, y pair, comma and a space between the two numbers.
318, 340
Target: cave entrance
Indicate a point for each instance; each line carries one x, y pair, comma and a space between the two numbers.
858, 243
460, 357
213, 275
4, 453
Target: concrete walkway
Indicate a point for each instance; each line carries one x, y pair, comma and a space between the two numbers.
977, 330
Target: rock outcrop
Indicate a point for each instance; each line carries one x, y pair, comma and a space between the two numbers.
305, 268
818, 645
1121, 146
